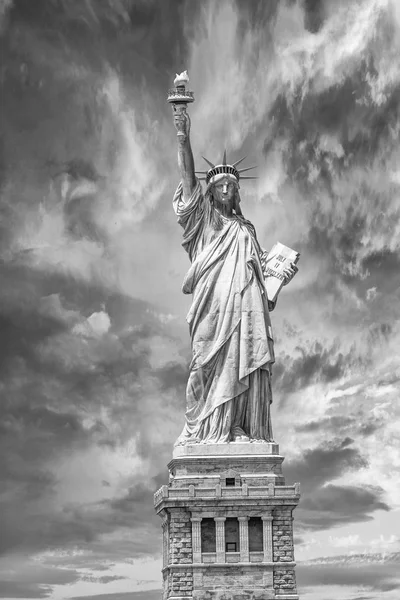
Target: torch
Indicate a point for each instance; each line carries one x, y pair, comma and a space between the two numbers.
179, 96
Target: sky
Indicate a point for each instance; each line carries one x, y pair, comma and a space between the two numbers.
94, 346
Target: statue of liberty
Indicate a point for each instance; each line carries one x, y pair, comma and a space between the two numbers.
229, 388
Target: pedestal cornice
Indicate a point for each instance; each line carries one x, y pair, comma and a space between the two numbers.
228, 449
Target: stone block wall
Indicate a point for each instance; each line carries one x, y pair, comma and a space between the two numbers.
284, 581
227, 583
283, 551
180, 580
282, 535
180, 535
177, 583
180, 583
247, 594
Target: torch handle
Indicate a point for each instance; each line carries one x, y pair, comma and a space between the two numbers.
181, 119
179, 108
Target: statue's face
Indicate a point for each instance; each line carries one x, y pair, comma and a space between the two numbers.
224, 191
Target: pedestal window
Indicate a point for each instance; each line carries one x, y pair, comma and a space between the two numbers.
208, 537
232, 537
256, 534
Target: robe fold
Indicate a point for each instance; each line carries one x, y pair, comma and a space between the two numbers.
229, 389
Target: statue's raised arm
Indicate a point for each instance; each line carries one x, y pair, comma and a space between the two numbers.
179, 98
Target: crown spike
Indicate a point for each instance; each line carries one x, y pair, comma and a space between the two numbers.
247, 177
224, 158
247, 169
208, 162
238, 161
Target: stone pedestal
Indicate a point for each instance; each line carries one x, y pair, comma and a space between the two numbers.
227, 523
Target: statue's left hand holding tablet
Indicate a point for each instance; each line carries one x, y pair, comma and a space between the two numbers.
289, 273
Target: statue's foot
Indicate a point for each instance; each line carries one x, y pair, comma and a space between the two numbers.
241, 438
238, 435
187, 442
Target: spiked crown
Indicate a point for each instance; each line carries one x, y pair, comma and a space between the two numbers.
214, 173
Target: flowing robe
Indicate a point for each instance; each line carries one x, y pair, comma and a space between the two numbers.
229, 388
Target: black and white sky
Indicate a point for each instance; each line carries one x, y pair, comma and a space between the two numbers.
94, 347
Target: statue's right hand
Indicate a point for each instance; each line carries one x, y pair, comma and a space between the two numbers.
182, 123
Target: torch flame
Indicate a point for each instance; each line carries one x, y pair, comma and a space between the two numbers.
181, 79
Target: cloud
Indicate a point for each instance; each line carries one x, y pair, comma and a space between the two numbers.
315, 364
97, 324
376, 578
24, 578
335, 505
72, 366
102, 579
24, 590
333, 423
346, 425
346, 541
5, 6
325, 462
145, 595
325, 504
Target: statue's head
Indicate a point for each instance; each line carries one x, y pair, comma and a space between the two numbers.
224, 190
223, 182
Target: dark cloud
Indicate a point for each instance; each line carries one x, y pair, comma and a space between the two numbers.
173, 375
314, 364
58, 120
377, 558
313, 15
370, 428
30, 580
104, 552
145, 595
343, 425
51, 123
255, 14
335, 505
377, 578
325, 463
360, 126
298, 540
103, 579
122, 24
330, 135
22, 325
11, 589
379, 332
55, 378
337, 423
324, 504
90, 526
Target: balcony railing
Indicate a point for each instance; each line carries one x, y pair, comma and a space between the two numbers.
218, 491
